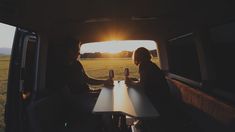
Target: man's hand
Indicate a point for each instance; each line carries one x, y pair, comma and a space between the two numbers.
108, 82
128, 80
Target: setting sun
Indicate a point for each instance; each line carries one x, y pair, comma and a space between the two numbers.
117, 46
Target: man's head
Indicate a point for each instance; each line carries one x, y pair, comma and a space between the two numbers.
140, 55
72, 49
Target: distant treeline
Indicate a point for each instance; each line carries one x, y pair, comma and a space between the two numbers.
123, 54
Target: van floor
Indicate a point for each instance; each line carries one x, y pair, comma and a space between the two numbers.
186, 125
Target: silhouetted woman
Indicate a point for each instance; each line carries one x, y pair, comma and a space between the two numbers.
153, 82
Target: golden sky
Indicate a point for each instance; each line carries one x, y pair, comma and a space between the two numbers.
117, 46
7, 33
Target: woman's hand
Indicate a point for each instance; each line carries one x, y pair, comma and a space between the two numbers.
132, 81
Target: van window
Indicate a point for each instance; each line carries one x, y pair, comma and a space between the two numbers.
99, 58
29, 60
183, 58
223, 50
7, 33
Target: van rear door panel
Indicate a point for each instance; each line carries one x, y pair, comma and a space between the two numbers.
21, 80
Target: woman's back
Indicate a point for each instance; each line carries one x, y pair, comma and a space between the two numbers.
155, 86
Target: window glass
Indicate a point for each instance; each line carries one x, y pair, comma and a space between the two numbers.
7, 33
99, 58
30, 65
223, 51
183, 58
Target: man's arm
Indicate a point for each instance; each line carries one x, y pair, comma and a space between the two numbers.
93, 81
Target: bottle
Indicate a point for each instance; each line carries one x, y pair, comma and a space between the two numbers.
126, 73
111, 74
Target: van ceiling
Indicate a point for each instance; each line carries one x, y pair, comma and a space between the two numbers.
88, 20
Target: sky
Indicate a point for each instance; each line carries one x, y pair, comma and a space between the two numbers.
7, 33
117, 46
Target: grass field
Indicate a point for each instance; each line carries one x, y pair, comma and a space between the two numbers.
96, 68
4, 65
99, 68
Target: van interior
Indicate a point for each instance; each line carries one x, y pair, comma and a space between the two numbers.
195, 41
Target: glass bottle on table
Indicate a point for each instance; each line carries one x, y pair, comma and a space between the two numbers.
110, 79
111, 74
126, 74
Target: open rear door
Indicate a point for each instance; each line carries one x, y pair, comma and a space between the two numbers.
22, 80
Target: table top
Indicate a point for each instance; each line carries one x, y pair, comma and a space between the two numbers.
123, 99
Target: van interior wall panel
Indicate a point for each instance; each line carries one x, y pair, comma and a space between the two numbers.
43, 41
202, 41
222, 112
162, 51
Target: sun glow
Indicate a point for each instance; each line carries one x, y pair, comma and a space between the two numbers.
116, 46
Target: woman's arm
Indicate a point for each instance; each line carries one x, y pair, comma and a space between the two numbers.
132, 82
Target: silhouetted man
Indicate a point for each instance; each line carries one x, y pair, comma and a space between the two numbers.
82, 98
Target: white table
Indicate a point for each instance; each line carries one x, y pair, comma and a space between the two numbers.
125, 100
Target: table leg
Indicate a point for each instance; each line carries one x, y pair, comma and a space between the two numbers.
116, 120
123, 125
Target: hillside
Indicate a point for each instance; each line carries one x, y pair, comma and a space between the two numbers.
5, 51
123, 54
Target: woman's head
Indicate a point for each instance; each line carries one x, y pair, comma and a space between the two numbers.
140, 55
